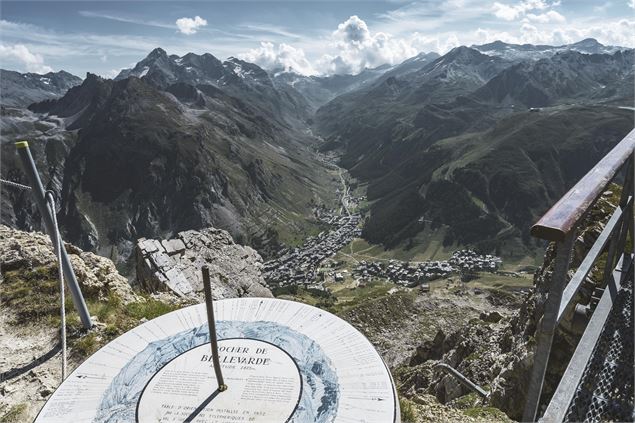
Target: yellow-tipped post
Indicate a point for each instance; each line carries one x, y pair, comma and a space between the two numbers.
22, 144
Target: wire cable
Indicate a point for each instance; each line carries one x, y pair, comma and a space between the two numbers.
15, 185
58, 253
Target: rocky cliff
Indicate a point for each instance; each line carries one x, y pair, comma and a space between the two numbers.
174, 265
30, 363
25, 251
496, 351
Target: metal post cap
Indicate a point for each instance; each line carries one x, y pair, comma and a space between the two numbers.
22, 144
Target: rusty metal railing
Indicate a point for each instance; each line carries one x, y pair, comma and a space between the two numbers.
560, 225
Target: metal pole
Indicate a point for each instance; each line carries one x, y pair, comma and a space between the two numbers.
212, 329
38, 191
464, 381
547, 327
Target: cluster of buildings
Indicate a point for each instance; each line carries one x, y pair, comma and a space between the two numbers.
299, 265
469, 260
412, 274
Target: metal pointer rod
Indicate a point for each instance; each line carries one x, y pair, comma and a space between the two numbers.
212, 329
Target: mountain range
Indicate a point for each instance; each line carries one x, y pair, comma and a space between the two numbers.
424, 142
531, 51
21, 89
160, 151
440, 142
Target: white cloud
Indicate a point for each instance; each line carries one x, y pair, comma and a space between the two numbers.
503, 11
189, 26
631, 4
512, 12
283, 57
550, 16
19, 52
441, 43
349, 49
354, 30
358, 48
354, 46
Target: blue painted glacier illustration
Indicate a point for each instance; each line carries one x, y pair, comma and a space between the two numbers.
320, 391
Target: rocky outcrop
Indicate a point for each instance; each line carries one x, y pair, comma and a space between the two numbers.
96, 275
30, 363
174, 265
425, 408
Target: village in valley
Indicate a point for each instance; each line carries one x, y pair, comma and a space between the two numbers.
300, 265
465, 263
315, 263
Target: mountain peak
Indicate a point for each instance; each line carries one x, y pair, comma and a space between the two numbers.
157, 53
494, 45
463, 53
588, 43
540, 51
90, 77
63, 73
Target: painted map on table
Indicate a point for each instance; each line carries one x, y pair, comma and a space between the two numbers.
283, 362
319, 398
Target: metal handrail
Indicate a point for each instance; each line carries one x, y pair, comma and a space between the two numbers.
560, 224
586, 266
563, 217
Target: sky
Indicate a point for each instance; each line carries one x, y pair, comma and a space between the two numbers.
309, 37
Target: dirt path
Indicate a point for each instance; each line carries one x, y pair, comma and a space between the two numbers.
30, 367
